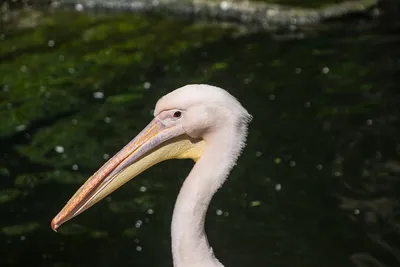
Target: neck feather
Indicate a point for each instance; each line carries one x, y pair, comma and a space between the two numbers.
190, 246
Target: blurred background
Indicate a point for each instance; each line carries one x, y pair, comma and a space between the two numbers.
317, 185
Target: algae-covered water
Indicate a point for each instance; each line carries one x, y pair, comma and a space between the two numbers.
317, 184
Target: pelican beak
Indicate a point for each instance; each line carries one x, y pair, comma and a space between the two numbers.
154, 144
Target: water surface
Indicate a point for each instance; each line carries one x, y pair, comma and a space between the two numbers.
317, 184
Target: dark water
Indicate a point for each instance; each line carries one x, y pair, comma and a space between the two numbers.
317, 185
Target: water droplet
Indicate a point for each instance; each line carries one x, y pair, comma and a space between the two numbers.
20, 128
292, 163
22, 237
271, 97
255, 203
356, 211
106, 156
75, 167
54, 4
142, 189
247, 80
369, 122
98, 95
59, 149
138, 224
337, 173
258, 154
319, 167
226, 214
146, 85
79, 7
278, 187
307, 104
150, 211
325, 70
51, 43
107, 119
376, 12
139, 248
225, 5
23, 68
297, 70
219, 212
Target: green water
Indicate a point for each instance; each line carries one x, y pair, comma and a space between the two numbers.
317, 184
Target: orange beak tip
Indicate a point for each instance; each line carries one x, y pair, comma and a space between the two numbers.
54, 226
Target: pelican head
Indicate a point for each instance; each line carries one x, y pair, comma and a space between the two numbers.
185, 122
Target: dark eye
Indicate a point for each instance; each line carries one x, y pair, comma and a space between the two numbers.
177, 114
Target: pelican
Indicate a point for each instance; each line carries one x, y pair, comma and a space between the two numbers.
200, 122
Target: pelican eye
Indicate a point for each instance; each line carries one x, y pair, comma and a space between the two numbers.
177, 114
